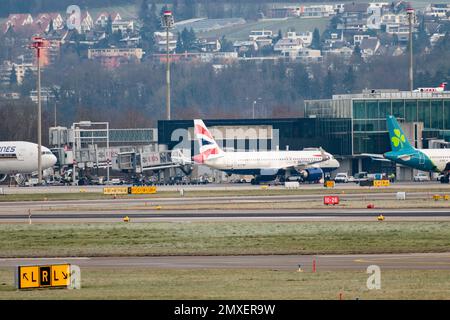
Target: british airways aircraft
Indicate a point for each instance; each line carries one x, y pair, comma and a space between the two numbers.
310, 164
22, 157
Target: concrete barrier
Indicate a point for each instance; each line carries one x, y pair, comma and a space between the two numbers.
292, 185
401, 196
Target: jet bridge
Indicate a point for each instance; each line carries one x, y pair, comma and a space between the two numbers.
140, 162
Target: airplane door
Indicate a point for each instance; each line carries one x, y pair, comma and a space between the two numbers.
20, 154
421, 158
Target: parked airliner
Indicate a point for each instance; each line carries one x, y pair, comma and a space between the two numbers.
22, 157
431, 160
441, 88
309, 164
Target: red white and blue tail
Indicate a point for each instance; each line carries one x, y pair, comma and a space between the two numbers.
208, 146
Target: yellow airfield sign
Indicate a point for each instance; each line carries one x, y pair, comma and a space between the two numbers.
48, 276
381, 183
115, 190
143, 190
28, 277
129, 190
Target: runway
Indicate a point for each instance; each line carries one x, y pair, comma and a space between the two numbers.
229, 216
173, 209
418, 261
245, 207
215, 199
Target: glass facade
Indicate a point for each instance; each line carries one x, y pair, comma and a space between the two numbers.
369, 120
368, 111
332, 134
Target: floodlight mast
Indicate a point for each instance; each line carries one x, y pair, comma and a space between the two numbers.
167, 22
410, 13
38, 43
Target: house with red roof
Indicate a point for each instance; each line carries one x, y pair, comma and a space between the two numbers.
17, 21
102, 18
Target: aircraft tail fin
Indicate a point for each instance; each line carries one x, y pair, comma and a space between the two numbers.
399, 142
208, 146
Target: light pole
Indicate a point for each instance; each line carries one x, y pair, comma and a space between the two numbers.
108, 152
167, 22
38, 45
253, 108
410, 13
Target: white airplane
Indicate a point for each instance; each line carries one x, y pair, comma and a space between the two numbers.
22, 157
310, 163
441, 88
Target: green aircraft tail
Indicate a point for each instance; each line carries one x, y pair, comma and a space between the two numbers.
399, 142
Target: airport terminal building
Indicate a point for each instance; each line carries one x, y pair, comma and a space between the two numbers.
425, 117
347, 126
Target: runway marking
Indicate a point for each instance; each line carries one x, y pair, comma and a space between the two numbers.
33, 259
380, 261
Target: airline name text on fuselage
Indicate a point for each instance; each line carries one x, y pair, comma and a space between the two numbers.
7, 149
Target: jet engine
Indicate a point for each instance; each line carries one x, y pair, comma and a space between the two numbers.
312, 174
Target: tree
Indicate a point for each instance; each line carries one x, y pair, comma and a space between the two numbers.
144, 9
356, 57
278, 37
315, 43
334, 22
13, 76
28, 83
225, 45
301, 81
328, 85
349, 80
109, 30
179, 48
421, 41
188, 39
51, 27
150, 23
192, 39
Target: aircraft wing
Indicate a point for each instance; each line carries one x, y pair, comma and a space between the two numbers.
406, 157
303, 165
376, 157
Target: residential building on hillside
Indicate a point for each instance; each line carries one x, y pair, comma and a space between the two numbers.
245, 46
209, 45
114, 57
316, 11
441, 10
257, 34
369, 47
87, 23
288, 47
17, 21
357, 38
44, 20
20, 69
161, 41
123, 26
308, 55
102, 18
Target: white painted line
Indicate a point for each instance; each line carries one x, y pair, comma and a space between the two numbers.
58, 258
